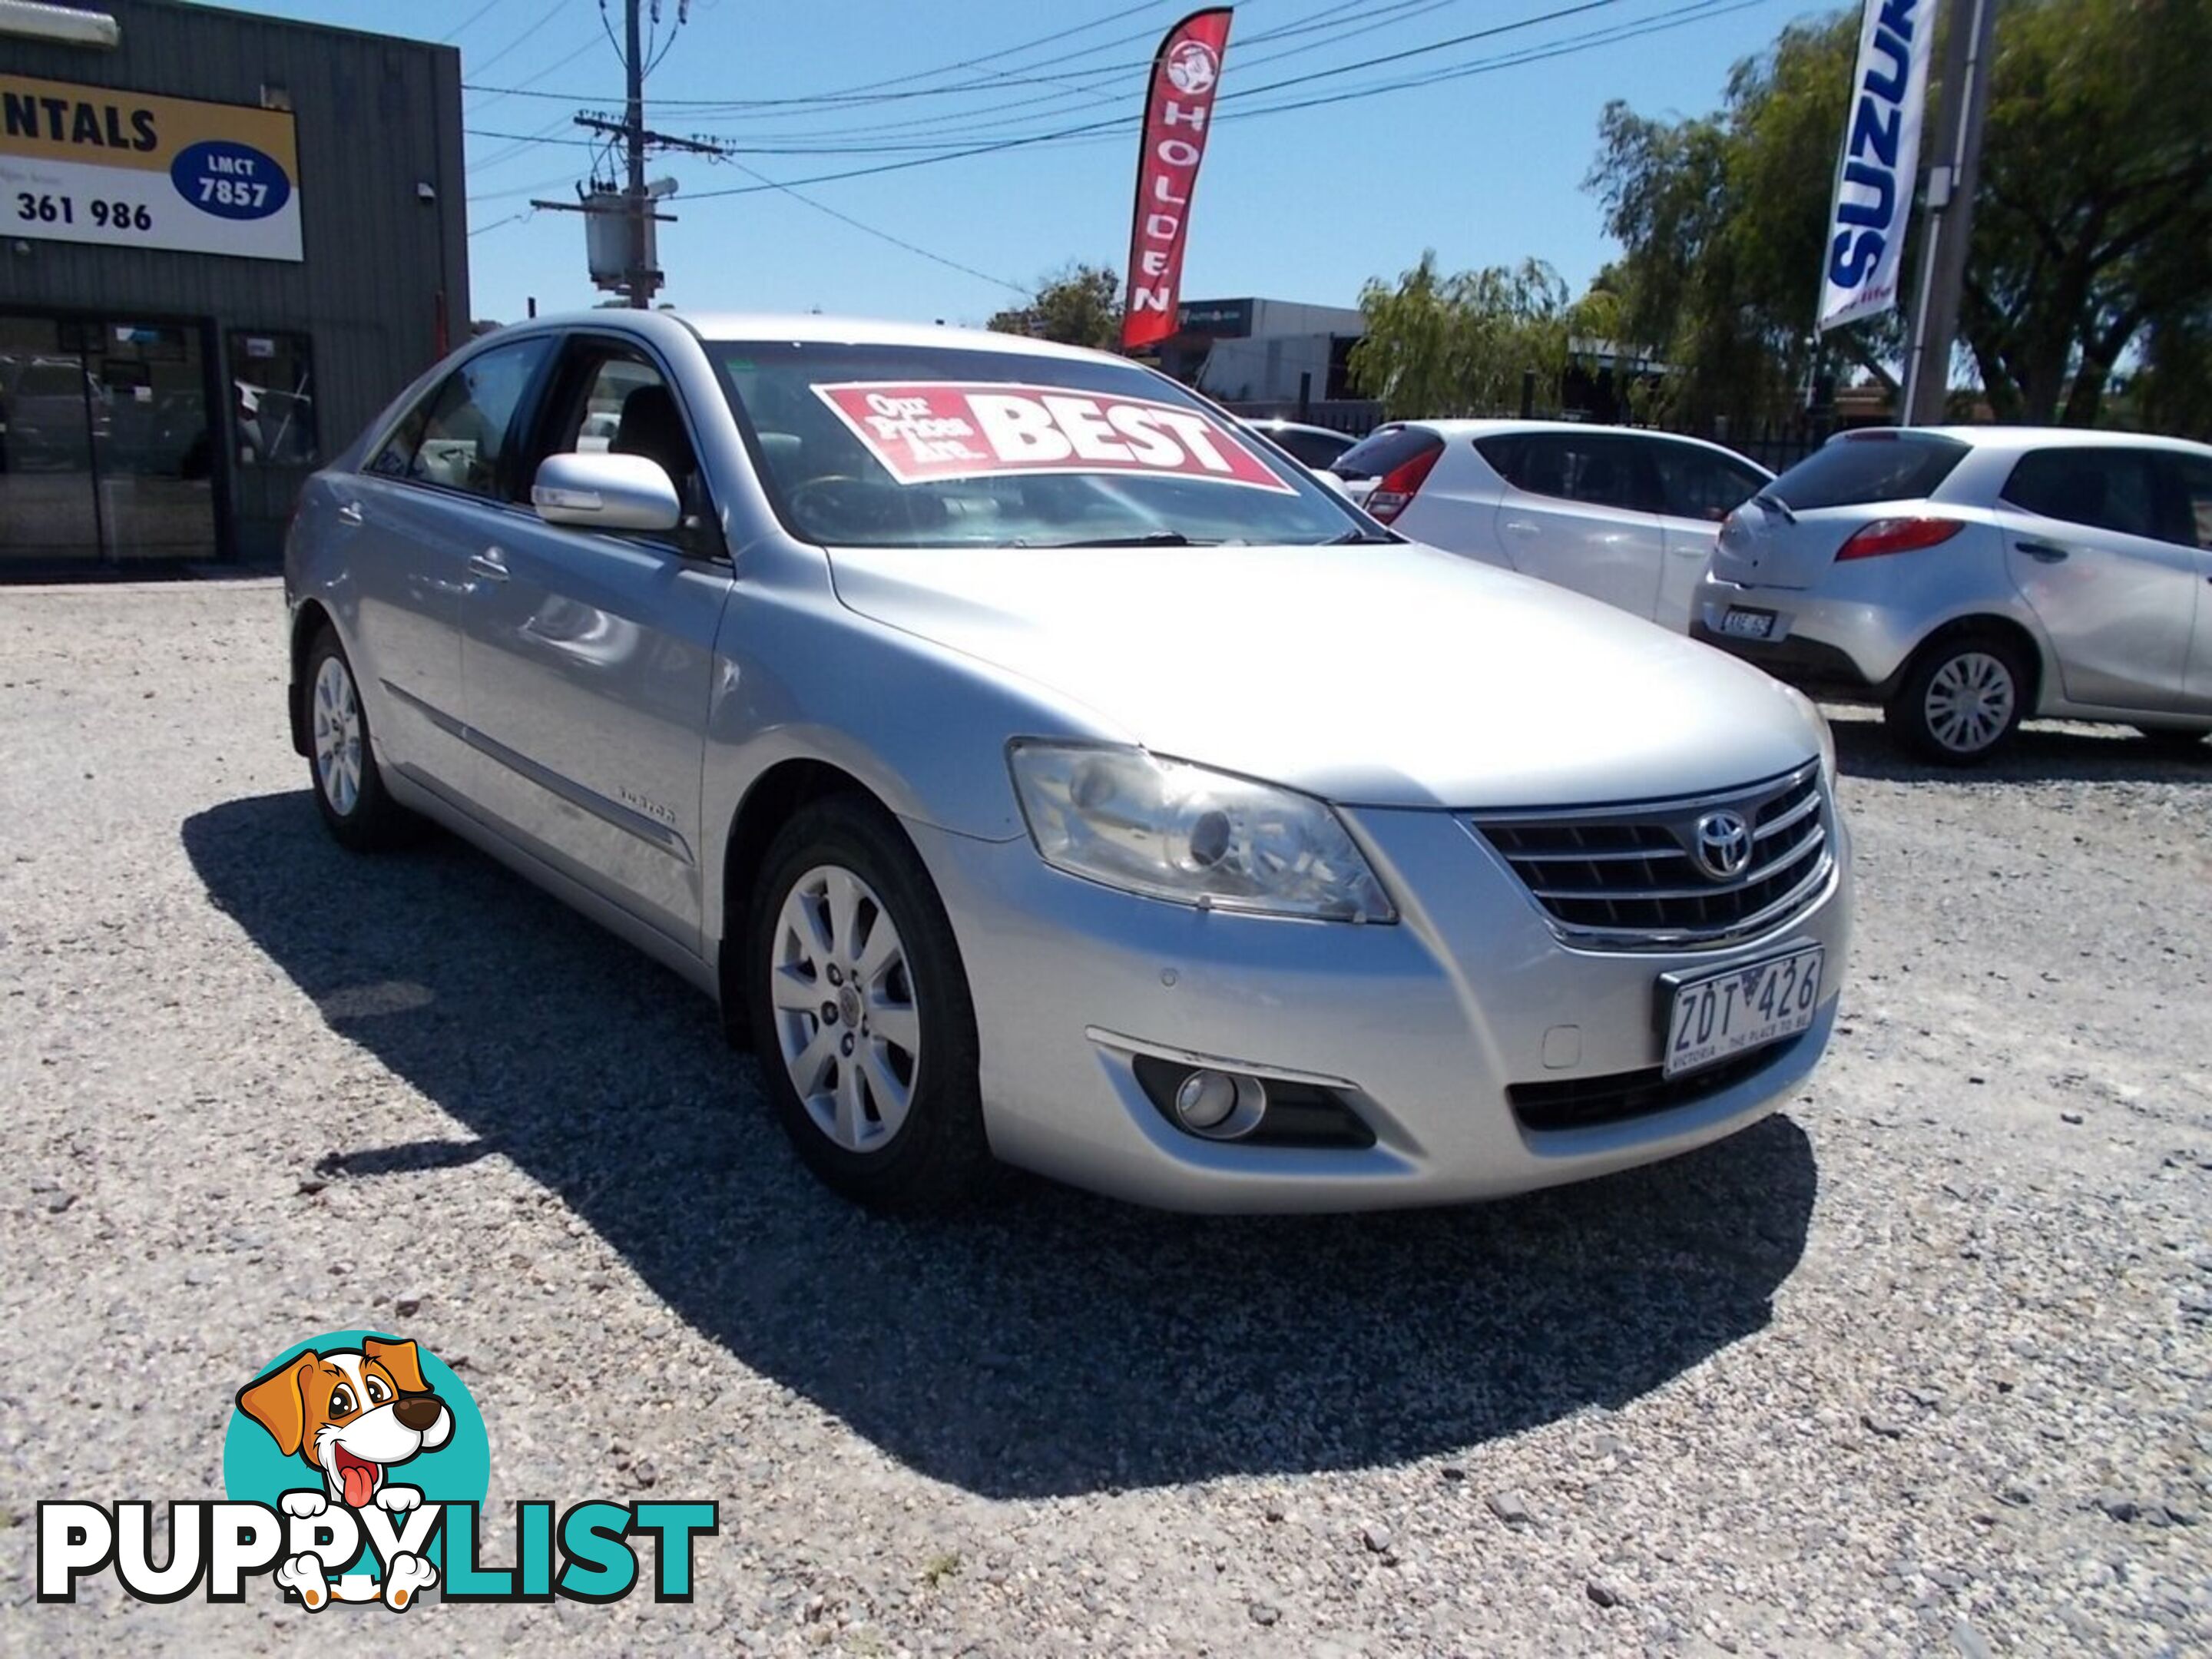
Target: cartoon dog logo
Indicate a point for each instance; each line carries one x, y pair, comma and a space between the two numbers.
351, 1414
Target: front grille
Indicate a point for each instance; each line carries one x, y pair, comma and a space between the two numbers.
1631, 877
1584, 1103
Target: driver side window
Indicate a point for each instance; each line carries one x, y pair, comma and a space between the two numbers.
613, 401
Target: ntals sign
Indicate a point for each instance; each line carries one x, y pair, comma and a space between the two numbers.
124, 169
1874, 173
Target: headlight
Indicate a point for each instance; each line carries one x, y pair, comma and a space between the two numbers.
1172, 831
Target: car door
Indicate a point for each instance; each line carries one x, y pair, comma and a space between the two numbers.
1579, 511
2083, 530
415, 517
589, 657
2189, 492
1698, 487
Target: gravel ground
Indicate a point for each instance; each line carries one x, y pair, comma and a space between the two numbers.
1920, 1366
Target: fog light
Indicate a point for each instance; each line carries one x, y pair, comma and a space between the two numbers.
1220, 1105
1206, 1099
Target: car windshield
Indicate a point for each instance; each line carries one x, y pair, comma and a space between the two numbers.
1856, 471
895, 446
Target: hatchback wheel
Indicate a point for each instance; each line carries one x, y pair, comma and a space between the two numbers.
1961, 701
349, 786
860, 1013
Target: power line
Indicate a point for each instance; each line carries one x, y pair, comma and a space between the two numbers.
1697, 12
768, 183
473, 18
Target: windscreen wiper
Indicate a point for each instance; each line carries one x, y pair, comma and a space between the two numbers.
1361, 538
1148, 539
1767, 498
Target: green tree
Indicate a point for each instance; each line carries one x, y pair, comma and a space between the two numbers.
1077, 305
1437, 345
2091, 227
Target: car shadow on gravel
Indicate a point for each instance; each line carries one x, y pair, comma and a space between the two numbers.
1051, 1343
2039, 752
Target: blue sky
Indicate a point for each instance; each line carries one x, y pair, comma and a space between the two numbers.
1302, 205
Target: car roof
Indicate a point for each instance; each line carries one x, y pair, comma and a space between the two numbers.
2014, 439
808, 327
1457, 428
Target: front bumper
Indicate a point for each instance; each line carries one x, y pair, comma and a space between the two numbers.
1424, 1025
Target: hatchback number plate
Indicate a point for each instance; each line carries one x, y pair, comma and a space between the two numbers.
1715, 1016
1748, 624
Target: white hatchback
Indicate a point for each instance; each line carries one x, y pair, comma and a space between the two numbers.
1625, 516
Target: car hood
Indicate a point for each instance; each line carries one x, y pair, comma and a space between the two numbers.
1379, 676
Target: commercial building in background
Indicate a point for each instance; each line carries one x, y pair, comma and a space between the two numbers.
225, 242
1263, 351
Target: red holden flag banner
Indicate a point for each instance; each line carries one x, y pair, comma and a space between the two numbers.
1185, 74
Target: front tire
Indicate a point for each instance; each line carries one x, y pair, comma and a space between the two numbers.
1961, 701
860, 1013
349, 786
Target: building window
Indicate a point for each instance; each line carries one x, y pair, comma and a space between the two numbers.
272, 382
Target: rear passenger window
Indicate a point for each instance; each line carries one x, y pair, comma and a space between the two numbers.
456, 437
2193, 474
1600, 470
2102, 488
1696, 483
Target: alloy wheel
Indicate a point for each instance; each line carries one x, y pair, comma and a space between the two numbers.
1970, 701
337, 736
846, 1023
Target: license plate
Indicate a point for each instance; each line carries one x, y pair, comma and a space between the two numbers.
1715, 1016
1748, 624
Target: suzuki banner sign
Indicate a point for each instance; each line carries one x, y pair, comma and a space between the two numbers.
1865, 246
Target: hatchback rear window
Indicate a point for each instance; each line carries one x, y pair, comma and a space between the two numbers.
1854, 472
1384, 451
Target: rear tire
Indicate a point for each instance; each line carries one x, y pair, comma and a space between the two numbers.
861, 1018
1960, 699
348, 785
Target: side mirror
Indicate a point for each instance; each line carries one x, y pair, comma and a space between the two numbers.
606, 492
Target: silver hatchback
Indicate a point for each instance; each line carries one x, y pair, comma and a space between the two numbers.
1965, 578
1037, 767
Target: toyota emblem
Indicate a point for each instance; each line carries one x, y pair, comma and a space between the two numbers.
1723, 848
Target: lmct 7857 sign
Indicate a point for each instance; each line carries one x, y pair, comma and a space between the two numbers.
94, 164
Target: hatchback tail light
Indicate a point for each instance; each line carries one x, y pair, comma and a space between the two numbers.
1898, 536
1395, 489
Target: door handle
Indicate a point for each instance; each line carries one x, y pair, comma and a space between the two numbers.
490, 564
2042, 551
349, 514
1522, 527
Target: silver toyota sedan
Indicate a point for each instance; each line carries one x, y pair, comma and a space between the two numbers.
1037, 769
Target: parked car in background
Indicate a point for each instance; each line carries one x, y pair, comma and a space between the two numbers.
1037, 767
1964, 578
1312, 447
1625, 516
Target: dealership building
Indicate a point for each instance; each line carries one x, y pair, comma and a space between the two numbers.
226, 241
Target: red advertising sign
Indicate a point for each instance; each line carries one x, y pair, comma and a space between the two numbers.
924, 432
1185, 74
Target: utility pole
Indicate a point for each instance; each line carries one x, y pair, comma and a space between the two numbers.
643, 281
619, 218
1950, 221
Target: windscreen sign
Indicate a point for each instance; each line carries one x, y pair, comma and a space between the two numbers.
94, 164
928, 432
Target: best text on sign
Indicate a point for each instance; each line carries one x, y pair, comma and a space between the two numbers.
100, 164
931, 431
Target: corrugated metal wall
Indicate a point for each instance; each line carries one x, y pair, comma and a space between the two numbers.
376, 116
